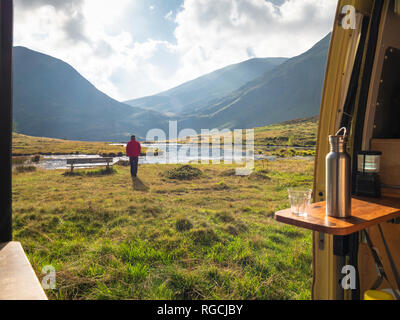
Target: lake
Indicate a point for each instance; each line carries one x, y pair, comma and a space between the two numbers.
171, 153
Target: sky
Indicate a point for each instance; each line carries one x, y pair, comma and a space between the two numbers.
135, 48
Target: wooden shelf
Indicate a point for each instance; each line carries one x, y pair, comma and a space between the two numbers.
366, 212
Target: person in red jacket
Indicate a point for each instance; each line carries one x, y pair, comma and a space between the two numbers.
133, 149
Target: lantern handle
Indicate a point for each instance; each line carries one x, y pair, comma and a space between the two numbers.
342, 129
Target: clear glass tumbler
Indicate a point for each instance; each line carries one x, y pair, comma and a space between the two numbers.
300, 200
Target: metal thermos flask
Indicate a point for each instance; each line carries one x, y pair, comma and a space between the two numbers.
338, 177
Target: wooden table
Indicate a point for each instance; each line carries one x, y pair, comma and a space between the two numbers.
366, 212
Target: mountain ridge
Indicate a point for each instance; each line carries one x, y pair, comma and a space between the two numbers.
52, 99
295, 86
197, 92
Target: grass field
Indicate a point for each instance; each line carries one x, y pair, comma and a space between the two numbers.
213, 237
28, 145
302, 132
286, 139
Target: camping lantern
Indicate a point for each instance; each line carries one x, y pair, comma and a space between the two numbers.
367, 176
369, 161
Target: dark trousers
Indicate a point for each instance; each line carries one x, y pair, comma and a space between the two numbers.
134, 165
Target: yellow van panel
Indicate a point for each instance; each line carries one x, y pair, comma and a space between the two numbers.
397, 7
343, 48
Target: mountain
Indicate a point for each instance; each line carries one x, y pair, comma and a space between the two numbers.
292, 90
186, 98
52, 99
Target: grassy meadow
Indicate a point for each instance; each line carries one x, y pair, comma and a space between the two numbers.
213, 237
300, 133
28, 145
161, 236
286, 139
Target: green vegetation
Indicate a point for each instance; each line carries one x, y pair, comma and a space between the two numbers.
185, 172
25, 168
290, 152
16, 161
286, 139
98, 172
209, 238
294, 133
302, 133
176, 232
28, 145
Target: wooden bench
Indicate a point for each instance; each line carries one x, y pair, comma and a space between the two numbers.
82, 161
18, 281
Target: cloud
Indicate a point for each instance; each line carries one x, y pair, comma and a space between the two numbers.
211, 34
97, 37
75, 28
103, 49
58, 4
69, 11
169, 16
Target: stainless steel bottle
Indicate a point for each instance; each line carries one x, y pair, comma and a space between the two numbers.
338, 177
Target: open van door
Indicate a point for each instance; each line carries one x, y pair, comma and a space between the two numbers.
362, 93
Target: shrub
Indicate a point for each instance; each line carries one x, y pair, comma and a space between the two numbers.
186, 172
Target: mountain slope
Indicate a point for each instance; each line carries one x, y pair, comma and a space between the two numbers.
198, 92
52, 99
291, 90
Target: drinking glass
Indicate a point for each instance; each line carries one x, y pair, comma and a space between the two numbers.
300, 200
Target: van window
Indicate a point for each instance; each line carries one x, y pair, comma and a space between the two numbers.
387, 115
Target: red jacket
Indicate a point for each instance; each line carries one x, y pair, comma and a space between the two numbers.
133, 149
